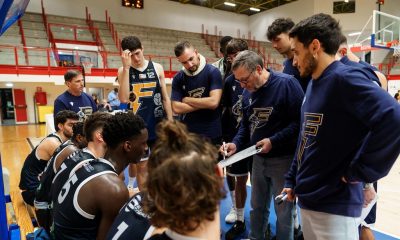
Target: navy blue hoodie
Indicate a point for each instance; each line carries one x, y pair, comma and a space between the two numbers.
272, 112
349, 127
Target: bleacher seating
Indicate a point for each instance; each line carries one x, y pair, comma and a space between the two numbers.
158, 43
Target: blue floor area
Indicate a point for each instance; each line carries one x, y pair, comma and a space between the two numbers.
226, 204
225, 207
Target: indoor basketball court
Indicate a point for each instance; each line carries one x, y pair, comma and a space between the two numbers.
41, 40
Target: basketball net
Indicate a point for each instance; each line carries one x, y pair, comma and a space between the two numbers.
87, 66
396, 50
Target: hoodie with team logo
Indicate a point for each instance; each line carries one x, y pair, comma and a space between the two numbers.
349, 134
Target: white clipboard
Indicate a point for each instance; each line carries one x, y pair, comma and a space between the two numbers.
250, 151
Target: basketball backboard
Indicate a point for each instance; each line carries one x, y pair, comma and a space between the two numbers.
385, 30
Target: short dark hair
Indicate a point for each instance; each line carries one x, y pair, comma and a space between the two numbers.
236, 45
131, 43
249, 59
77, 129
181, 46
64, 115
70, 74
122, 127
223, 42
343, 39
319, 26
116, 89
280, 25
94, 122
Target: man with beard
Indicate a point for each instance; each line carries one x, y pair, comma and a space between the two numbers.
346, 134
37, 160
278, 34
42, 201
196, 93
93, 194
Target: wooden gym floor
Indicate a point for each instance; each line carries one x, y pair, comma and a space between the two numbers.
14, 148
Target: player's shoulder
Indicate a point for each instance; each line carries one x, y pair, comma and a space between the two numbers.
157, 65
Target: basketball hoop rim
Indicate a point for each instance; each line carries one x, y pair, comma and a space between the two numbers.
87, 66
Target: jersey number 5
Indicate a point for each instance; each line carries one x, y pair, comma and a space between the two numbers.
67, 186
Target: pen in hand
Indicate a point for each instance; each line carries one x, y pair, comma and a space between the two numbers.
225, 150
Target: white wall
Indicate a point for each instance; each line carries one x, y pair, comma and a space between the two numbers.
391, 7
350, 22
156, 13
297, 11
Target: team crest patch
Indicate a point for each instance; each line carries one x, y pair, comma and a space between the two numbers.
197, 93
157, 99
133, 76
72, 103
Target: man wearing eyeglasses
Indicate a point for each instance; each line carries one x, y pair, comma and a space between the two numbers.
271, 115
196, 93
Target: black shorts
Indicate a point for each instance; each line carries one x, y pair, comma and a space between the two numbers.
240, 168
44, 218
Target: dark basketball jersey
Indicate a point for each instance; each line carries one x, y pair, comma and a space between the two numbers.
146, 100
43, 193
33, 166
162, 236
70, 220
67, 168
171, 235
205, 122
131, 222
232, 99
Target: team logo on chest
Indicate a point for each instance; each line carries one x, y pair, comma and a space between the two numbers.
140, 91
196, 93
259, 118
134, 205
312, 123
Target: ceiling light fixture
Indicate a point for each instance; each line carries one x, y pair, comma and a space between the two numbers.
346, 1
230, 4
254, 9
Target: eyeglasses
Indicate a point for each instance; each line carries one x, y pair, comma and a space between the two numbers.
246, 80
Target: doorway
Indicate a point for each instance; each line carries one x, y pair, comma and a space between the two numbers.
7, 107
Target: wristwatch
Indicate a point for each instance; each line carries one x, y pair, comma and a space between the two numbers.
367, 186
